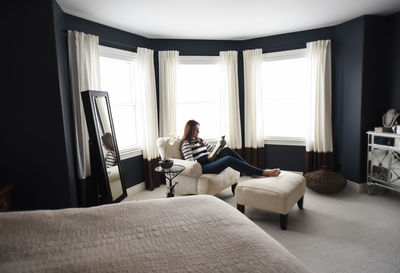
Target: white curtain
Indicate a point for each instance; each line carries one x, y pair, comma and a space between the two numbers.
147, 103
319, 137
168, 64
230, 113
84, 69
253, 108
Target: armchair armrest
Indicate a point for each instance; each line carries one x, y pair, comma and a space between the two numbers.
192, 168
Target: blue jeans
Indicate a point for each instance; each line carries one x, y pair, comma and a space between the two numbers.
229, 158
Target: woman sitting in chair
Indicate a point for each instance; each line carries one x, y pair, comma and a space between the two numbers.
196, 149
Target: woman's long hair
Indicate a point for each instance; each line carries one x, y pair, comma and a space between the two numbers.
188, 132
108, 141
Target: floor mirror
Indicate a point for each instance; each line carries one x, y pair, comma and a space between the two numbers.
104, 155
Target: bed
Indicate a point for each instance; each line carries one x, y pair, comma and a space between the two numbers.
183, 234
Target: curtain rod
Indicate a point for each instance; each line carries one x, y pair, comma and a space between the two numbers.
109, 42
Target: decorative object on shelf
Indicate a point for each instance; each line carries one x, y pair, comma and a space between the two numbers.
389, 119
325, 181
396, 129
166, 163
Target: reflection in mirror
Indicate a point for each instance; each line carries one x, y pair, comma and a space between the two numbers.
109, 151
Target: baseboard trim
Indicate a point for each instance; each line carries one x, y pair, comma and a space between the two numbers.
136, 188
360, 188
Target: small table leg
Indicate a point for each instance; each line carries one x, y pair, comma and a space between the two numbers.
170, 193
240, 208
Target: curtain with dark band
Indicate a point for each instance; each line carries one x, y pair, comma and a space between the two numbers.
254, 152
152, 179
319, 148
147, 111
230, 112
255, 157
315, 161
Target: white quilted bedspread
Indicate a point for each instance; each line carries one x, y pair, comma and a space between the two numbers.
181, 234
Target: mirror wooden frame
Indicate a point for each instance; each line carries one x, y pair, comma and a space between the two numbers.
97, 162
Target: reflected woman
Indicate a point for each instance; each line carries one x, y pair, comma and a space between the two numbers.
108, 144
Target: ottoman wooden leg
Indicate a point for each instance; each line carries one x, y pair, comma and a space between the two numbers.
283, 221
233, 188
240, 208
300, 203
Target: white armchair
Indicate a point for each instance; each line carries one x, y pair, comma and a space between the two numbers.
192, 180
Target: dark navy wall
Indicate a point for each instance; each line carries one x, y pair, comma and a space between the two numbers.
376, 71
132, 170
285, 157
34, 134
347, 97
194, 47
376, 80
288, 41
66, 99
109, 36
394, 61
361, 89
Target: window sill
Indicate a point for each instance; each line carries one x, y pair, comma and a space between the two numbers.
285, 141
129, 153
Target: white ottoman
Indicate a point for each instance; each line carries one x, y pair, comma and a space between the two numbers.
276, 194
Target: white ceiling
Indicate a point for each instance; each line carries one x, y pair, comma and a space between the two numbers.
223, 19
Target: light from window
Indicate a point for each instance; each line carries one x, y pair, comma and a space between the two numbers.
285, 95
117, 73
199, 96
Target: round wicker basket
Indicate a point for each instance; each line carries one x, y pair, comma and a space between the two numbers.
325, 181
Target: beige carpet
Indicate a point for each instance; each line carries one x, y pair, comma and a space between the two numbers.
345, 232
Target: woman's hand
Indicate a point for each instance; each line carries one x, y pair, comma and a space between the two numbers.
223, 143
200, 141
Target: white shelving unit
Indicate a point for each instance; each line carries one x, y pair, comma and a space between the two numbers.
383, 163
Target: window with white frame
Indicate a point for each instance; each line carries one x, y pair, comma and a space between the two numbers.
117, 73
285, 84
199, 94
